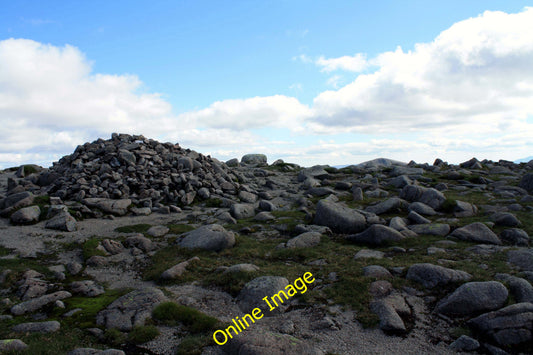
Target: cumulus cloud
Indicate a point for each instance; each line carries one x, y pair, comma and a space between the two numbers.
477, 73
356, 63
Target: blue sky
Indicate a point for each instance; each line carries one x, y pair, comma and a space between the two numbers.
310, 82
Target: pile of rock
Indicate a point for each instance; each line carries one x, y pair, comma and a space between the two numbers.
133, 167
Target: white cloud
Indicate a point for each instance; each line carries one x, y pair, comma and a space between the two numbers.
475, 75
256, 112
356, 63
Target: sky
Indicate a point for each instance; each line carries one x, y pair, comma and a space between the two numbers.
309, 82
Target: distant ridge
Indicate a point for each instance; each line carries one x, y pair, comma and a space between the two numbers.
383, 162
524, 160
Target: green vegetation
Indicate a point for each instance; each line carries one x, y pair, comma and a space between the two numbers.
89, 248
179, 228
143, 334
194, 344
171, 314
213, 202
114, 337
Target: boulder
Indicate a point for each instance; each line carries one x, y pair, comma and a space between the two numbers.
376, 271
464, 209
91, 351
315, 172
465, 344
304, 240
431, 276
433, 198
12, 345
393, 204
512, 325
422, 208
376, 234
254, 159
415, 218
252, 294
476, 232
515, 236
438, 229
505, 219
209, 237
39, 302
522, 258
339, 218
87, 288
157, 231
116, 207
130, 310
527, 182
177, 270
242, 210
369, 253
26, 215
139, 241
62, 221
473, 298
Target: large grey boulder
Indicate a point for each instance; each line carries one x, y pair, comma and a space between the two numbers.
339, 218
87, 288
527, 182
209, 237
522, 258
252, 294
39, 302
26, 215
389, 310
62, 221
464, 209
242, 210
130, 310
412, 192
422, 208
515, 236
254, 159
139, 241
474, 297
512, 325
476, 232
315, 172
304, 240
17, 200
393, 204
505, 219
433, 198
376, 234
430, 275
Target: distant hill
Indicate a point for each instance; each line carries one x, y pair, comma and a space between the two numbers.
375, 162
524, 160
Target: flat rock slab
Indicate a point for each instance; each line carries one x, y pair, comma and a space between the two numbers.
476, 232
430, 275
508, 326
474, 297
438, 229
376, 234
131, 309
37, 327
116, 207
339, 218
37, 303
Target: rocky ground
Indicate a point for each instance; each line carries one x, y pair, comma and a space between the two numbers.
133, 246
